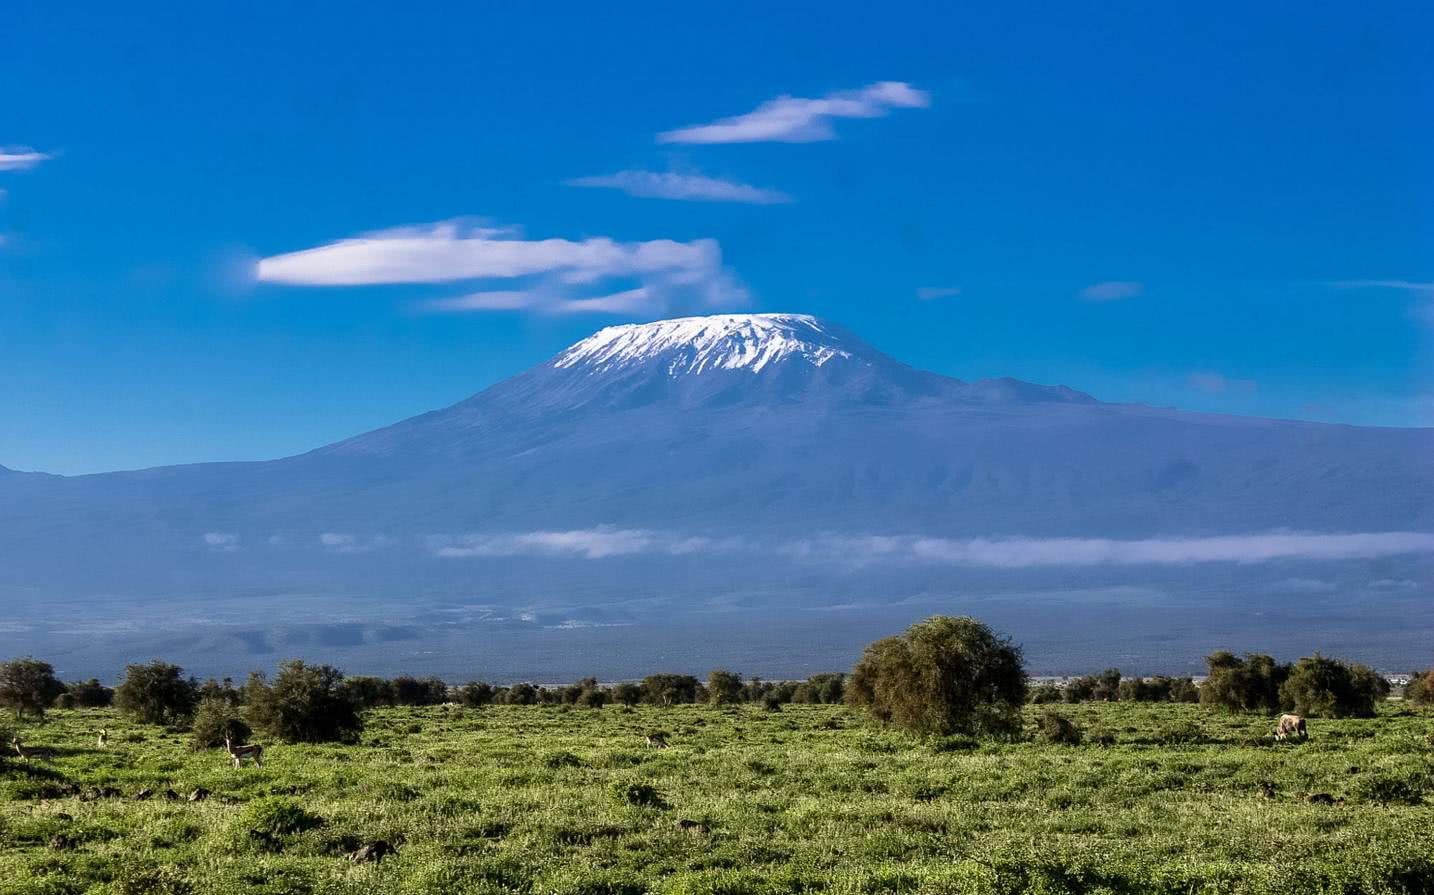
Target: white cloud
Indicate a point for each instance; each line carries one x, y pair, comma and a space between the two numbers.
691, 187
1017, 553
1112, 290
792, 119
21, 158
1423, 311
221, 541
931, 293
602, 542
668, 273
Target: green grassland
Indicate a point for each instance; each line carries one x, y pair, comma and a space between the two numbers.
809, 799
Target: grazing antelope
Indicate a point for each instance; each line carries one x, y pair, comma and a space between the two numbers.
28, 753
239, 753
657, 740
1291, 725
104, 738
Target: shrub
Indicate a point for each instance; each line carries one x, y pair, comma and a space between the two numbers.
1391, 789
1420, 690
157, 693
369, 692
275, 817
1103, 687
1251, 684
942, 676
214, 719
1327, 688
628, 694
520, 694
90, 694
670, 689
419, 691
724, 687
594, 698
1044, 694
28, 685
222, 690
475, 694
307, 704
1059, 729
820, 689
642, 795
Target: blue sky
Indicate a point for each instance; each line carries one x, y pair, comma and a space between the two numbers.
1223, 209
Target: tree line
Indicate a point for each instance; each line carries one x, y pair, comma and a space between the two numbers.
942, 676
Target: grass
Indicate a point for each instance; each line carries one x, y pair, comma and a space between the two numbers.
813, 799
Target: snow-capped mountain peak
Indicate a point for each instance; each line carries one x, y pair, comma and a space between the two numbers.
689, 345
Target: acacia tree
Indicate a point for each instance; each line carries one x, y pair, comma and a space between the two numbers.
1328, 688
306, 704
1250, 684
28, 686
724, 687
157, 693
942, 676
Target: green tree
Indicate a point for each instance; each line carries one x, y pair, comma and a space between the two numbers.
941, 677
28, 685
670, 689
215, 719
475, 694
724, 687
1420, 690
370, 692
157, 693
627, 693
307, 704
1320, 687
1249, 684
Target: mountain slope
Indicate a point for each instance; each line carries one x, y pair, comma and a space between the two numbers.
737, 425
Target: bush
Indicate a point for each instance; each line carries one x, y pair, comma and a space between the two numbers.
1420, 690
276, 817
419, 691
642, 795
369, 692
222, 690
942, 676
307, 704
724, 687
1103, 687
90, 694
628, 694
1060, 730
520, 694
594, 698
1328, 688
157, 693
670, 689
215, 719
475, 694
28, 686
820, 689
1044, 694
1251, 684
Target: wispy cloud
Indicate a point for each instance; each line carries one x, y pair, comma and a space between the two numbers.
1112, 290
557, 274
221, 541
1217, 383
690, 187
1401, 285
931, 293
793, 119
1018, 553
21, 158
591, 543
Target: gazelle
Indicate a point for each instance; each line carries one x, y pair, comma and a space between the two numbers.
657, 740
239, 753
35, 754
103, 739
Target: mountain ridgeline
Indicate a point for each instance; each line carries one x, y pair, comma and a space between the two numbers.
680, 441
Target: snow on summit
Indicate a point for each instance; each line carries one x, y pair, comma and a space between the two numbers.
720, 342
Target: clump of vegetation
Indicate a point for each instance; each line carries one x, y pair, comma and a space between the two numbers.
1420, 689
1103, 687
724, 687
1250, 684
1059, 730
1327, 688
157, 693
670, 689
942, 676
270, 822
306, 704
641, 795
28, 686
214, 720
90, 694
475, 694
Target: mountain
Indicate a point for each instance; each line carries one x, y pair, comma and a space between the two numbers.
718, 457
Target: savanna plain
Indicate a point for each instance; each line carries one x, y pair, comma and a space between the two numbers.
809, 798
